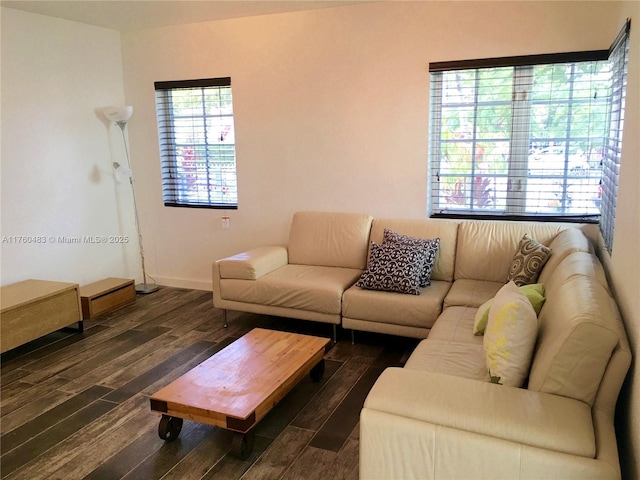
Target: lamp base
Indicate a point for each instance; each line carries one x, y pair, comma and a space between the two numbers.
146, 288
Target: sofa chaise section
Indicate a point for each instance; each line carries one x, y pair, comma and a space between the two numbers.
325, 255
429, 425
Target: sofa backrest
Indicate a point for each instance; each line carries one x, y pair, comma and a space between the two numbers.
576, 263
446, 230
568, 241
579, 331
329, 239
486, 248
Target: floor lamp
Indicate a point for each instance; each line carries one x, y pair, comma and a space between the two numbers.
120, 116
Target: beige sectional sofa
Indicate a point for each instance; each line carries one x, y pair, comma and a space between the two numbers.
439, 416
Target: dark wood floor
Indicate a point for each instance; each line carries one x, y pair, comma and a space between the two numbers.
77, 405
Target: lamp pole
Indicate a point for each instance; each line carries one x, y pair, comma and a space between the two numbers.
120, 116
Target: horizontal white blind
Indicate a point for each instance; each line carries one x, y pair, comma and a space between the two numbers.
611, 164
197, 143
523, 140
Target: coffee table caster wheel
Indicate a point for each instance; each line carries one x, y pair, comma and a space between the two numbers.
242, 444
317, 372
169, 428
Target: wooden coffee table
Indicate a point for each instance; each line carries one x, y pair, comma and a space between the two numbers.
238, 386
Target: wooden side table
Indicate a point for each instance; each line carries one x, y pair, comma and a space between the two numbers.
33, 308
106, 295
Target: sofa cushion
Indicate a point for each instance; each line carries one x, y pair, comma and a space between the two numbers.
430, 247
510, 336
449, 357
575, 339
485, 249
396, 308
329, 239
528, 261
303, 287
455, 324
445, 230
393, 268
535, 294
471, 293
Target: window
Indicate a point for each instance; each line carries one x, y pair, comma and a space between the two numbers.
520, 137
197, 143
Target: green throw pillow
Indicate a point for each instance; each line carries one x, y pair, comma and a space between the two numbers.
535, 294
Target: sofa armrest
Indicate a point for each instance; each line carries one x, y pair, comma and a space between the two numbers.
254, 263
517, 415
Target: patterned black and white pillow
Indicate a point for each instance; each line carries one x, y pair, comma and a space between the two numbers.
528, 261
393, 268
430, 246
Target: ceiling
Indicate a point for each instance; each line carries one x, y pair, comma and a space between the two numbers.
135, 14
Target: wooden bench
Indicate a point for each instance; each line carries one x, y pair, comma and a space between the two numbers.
34, 308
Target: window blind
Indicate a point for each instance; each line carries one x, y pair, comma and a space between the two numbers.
619, 54
197, 143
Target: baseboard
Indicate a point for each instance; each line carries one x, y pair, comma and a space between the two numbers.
184, 283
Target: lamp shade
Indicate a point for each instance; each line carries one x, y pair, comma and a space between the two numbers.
118, 114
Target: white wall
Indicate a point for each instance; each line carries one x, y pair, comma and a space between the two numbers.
332, 113
57, 151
